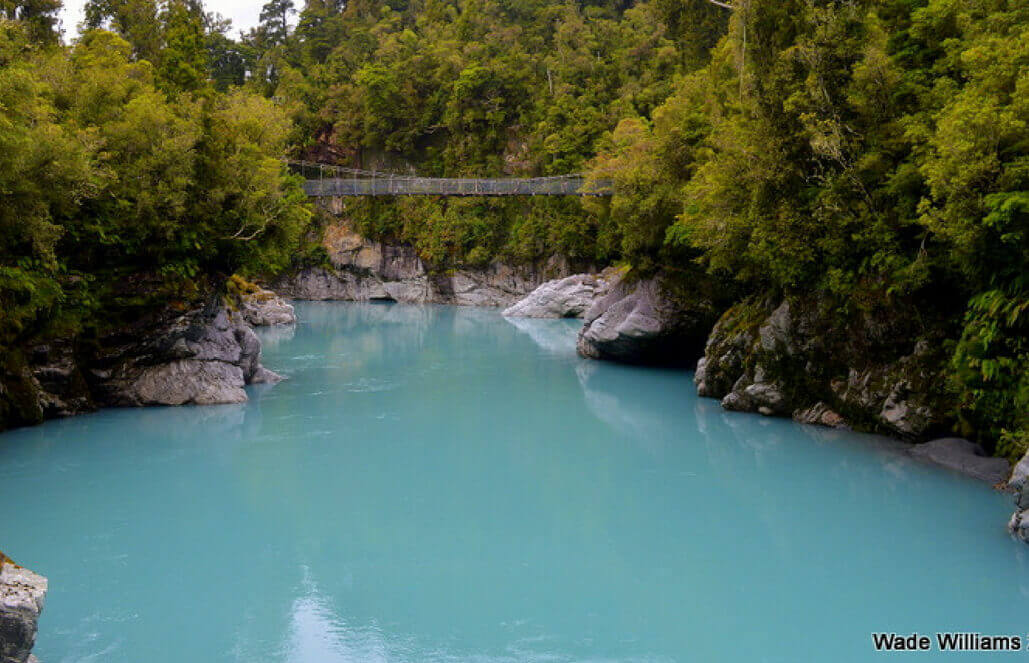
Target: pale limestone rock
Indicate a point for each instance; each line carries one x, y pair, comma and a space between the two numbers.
569, 297
264, 308
22, 595
1020, 473
366, 270
1019, 525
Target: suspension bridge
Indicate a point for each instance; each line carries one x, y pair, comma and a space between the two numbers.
325, 181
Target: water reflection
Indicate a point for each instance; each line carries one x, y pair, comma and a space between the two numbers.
274, 336
553, 336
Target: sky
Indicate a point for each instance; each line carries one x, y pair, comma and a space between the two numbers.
244, 14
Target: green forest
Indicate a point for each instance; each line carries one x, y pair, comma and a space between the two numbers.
872, 153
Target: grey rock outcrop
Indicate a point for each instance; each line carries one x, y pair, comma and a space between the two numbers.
1019, 483
1019, 525
791, 358
645, 321
963, 456
264, 308
22, 594
1020, 473
569, 297
361, 269
204, 356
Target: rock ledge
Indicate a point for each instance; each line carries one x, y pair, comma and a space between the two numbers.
22, 594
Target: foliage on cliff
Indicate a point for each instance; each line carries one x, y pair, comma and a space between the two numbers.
122, 185
875, 152
872, 153
479, 87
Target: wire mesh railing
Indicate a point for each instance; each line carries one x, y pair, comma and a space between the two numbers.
322, 180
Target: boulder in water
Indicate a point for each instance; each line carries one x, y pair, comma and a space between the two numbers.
562, 298
646, 321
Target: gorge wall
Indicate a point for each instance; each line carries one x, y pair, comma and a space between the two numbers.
202, 356
877, 371
362, 269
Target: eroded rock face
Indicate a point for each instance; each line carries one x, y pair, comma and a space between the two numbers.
569, 297
366, 270
204, 356
789, 358
1020, 473
264, 308
642, 321
22, 594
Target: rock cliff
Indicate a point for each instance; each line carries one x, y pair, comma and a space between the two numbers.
22, 593
361, 269
204, 356
792, 358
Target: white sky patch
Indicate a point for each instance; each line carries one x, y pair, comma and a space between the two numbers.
244, 14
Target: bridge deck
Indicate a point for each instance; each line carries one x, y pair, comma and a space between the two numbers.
440, 186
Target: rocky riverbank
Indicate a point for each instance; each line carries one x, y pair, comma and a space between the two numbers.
202, 356
649, 320
781, 358
791, 358
22, 594
360, 269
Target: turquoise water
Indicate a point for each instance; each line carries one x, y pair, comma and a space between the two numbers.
440, 484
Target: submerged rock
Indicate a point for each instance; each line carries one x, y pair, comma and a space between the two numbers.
563, 298
645, 321
22, 594
963, 456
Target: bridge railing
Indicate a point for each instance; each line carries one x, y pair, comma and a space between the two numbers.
330, 181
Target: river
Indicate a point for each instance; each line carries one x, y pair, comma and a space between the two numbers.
441, 484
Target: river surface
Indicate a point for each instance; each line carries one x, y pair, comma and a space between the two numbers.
442, 484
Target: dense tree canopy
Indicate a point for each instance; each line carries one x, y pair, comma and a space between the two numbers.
114, 177
875, 152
